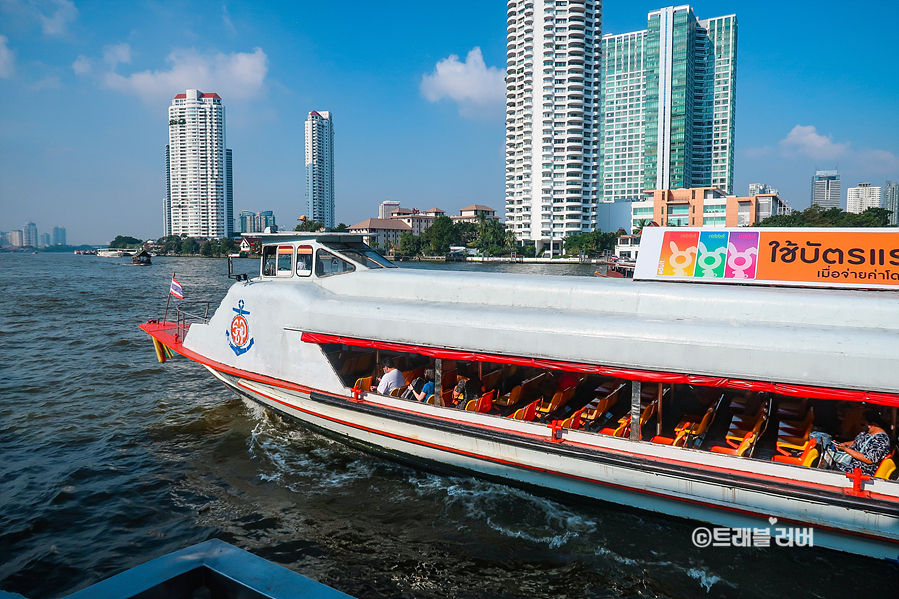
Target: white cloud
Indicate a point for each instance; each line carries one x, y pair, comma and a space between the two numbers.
475, 87
7, 59
114, 54
806, 140
82, 65
237, 75
57, 23
53, 15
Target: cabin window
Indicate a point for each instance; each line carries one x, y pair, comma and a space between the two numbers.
304, 260
285, 261
327, 264
361, 253
269, 259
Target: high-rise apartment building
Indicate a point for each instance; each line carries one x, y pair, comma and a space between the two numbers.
760, 188
388, 207
45, 240
29, 235
59, 236
668, 104
199, 201
15, 238
826, 189
859, 199
890, 201
552, 115
320, 167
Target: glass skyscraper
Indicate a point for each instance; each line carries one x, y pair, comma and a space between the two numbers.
826, 189
891, 201
668, 105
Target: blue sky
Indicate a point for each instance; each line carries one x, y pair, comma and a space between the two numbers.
85, 87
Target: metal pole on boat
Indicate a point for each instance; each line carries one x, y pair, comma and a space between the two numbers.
659, 408
438, 381
636, 388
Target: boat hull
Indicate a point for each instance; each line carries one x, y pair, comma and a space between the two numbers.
611, 475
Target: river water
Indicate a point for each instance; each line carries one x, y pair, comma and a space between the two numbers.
109, 459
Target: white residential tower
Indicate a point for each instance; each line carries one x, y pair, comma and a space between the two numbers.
199, 198
320, 167
859, 199
552, 115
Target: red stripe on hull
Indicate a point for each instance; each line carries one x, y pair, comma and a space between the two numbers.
558, 473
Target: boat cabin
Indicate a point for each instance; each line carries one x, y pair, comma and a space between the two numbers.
292, 255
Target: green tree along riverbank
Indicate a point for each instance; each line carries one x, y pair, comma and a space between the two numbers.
816, 216
490, 238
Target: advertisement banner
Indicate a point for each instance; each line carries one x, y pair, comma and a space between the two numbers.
817, 257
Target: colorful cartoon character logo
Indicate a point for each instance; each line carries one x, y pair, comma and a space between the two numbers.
711, 256
678, 255
742, 252
239, 335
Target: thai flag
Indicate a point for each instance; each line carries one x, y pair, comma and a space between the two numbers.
175, 289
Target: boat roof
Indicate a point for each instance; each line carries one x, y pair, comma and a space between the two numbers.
839, 339
294, 236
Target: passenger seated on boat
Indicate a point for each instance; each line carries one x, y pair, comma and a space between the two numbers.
851, 421
868, 449
470, 389
391, 377
426, 388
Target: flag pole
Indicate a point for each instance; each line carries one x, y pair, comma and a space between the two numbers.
168, 299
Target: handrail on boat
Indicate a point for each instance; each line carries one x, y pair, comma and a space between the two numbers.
185, 318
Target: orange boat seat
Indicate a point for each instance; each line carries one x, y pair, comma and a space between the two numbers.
624, 424
483, 404
363, 383
559, 399
574, 421
526, 413
740, 451
886, 468
510, 398
687, 429
806, 458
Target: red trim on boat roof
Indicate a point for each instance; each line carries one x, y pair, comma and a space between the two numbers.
884, 399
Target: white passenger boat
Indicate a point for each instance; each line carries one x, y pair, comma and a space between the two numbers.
114, 252
585, 384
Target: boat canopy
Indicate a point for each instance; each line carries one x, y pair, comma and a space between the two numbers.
828, 339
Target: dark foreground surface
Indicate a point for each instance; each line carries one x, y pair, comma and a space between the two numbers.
109, 459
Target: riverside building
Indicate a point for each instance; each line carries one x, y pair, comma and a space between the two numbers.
705, 207
320, 167
59, 236
552, 114
826, 189
891, 201
859, 199
668, 102
199, 198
